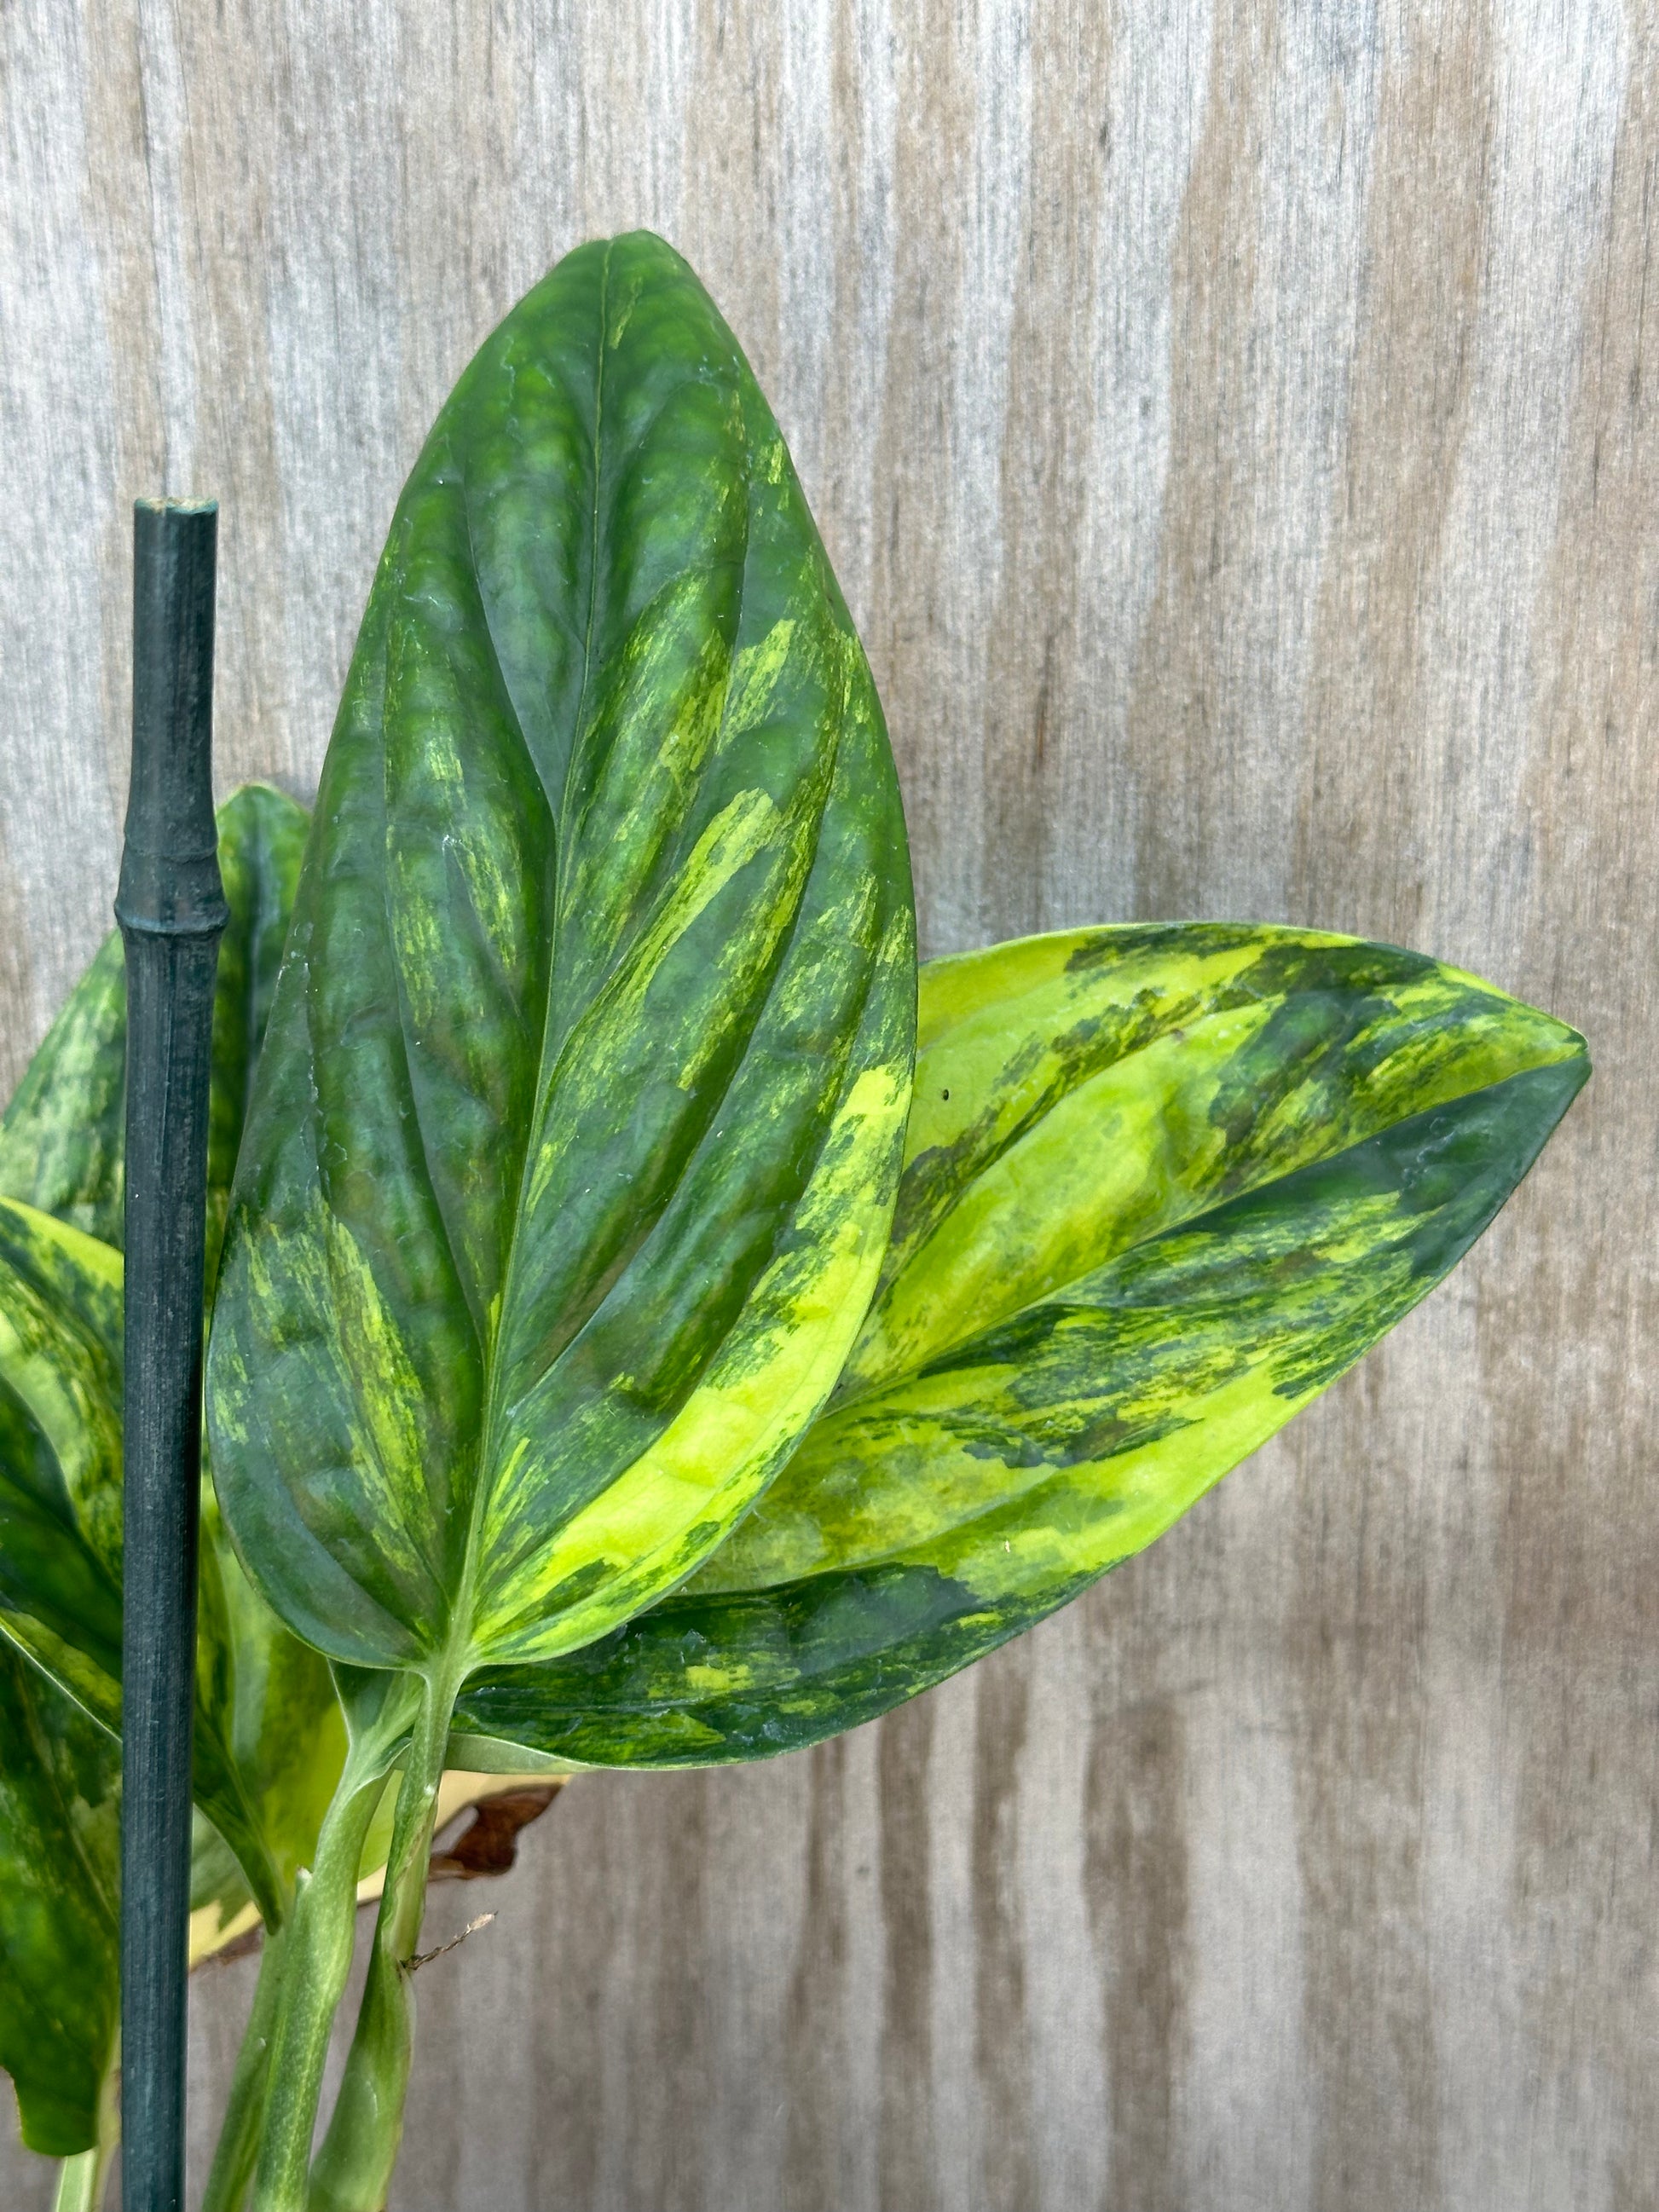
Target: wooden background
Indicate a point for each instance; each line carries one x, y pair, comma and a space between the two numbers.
1233, 427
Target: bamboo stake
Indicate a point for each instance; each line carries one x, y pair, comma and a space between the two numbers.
171, 908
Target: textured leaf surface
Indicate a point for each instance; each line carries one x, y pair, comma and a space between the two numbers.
578, 1126
268, 1735
63, 1137
1162, 1185
273, 1706
60, 1453
59, 1886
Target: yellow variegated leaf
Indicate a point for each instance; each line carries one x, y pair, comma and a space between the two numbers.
269, 1734
1162, 1185
577, 1125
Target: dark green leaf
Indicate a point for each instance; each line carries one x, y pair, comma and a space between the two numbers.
577, 1130
63, 1137
59, 1877
60, 1453
268, 1737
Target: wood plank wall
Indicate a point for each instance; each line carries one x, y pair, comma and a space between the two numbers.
1234, 425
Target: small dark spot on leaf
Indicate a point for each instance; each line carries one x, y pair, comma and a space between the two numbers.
945, 1094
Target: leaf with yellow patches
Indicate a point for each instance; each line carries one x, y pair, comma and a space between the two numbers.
578, 1129
63, 1137
59, 1888
268, 1737
1162, 1185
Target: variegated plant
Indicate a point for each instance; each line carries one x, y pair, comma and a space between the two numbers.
649, 1330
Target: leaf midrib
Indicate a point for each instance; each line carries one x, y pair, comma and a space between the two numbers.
454, 1657
462, 1610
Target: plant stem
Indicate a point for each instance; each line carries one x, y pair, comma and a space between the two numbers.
239, 2137
82, 2180
80, 2183
353, 2170
316, 1957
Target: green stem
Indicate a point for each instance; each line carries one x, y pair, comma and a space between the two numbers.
239, 2137
317, 1958
80, 2183
353, 2171
82, 2180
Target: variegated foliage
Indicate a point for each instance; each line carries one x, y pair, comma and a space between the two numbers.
1162, 1184
268, 1735
59, 1879
577, 1132
578, 1128
616, 1360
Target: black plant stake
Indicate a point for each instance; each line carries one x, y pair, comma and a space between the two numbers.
170, 907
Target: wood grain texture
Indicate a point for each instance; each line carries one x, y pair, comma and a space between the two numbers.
1234, 427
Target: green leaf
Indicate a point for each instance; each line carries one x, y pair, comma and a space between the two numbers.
576, 1134
1163, 1185
273, 1705
60, 1534
269, 1734
63, 1137
262, 836
59, 1877
60, 1454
